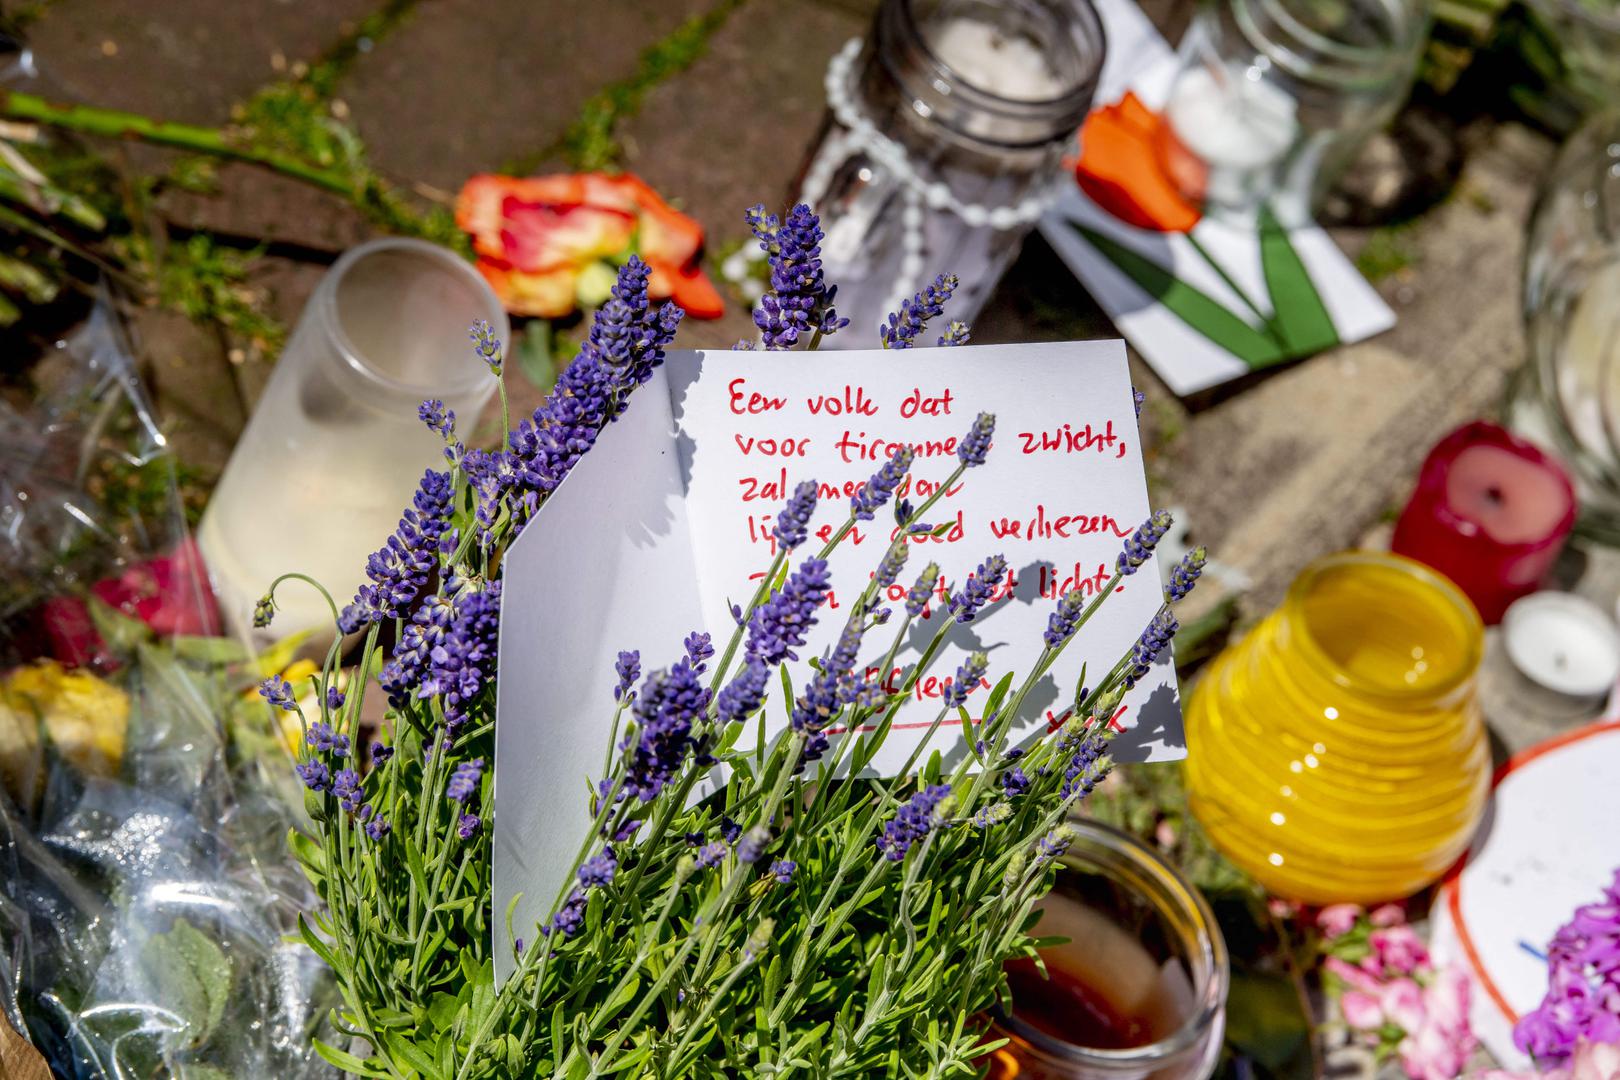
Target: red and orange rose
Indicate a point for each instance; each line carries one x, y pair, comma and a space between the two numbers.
551, 244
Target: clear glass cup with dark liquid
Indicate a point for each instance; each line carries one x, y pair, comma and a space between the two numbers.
1139, 990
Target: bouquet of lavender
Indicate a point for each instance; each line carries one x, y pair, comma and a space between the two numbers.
803, 919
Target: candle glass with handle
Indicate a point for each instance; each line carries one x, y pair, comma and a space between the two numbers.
943, 144
1272, 98
1338, 753
334, 450
1138, 992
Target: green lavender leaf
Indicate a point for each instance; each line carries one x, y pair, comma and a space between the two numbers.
194, 974
1298, 311
1189, 304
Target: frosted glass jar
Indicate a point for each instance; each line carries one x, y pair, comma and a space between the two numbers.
334, 449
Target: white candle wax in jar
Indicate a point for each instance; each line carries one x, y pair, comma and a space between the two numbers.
1563, 642
1007, 65
1234, 122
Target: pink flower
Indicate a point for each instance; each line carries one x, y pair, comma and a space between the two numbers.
1595, 1061
1337, 919
1402, 1003
1353, 977
1387, 915
1361, 1011
1443, 1041
1397, 949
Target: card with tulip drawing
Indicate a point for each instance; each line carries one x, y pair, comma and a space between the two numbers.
1204, 299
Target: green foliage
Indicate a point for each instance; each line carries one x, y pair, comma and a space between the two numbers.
1387, 252
195, 975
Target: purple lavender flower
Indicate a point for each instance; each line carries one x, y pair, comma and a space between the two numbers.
629, 668
264, 612
905, 325
626, 343
380, 753
894, 561
782, 871
752, 845
569, 918
346, 786
462, 664
425, 631
917, 597
1081, 771
1062, 623
792, 526
965, 603
972, 448
1149, 645
279, 693
711, 854
627, 830
778, 626
873, 495
464, 781
315, 775
1137, 399
598, 870
799, 302
486, 345
699, 648
667, 707
729, 830
378, 827
742, 695
493, 475
911, 822
1052, 846
399, 569
1014, 782
438, 418
967, 680
467, 825
814, 710
1185, 575
1140, 544
322, 738
955, 334
334, 698
991, 815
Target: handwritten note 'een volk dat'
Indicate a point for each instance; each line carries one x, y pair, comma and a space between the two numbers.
667, 522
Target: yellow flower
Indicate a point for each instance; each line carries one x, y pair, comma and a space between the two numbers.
84, 718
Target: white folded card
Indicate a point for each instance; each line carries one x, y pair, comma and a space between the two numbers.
667, 522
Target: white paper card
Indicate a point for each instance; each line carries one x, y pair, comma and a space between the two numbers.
667, 521
1140, 60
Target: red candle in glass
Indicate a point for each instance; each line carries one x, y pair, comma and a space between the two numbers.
1491, 512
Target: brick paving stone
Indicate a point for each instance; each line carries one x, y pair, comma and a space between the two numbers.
733, 129
183, 60
468, 86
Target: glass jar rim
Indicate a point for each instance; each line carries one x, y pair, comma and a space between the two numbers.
325, 300
1293, 605
1113, 850
1061, 115
1346, 66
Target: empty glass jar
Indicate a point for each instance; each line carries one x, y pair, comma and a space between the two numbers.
1274, 97
944, 142
1567, 396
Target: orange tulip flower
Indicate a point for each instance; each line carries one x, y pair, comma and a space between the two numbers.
548, 244
1132, 165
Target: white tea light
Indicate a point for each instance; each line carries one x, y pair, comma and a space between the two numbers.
1563, 642
1236, 125
1007, 65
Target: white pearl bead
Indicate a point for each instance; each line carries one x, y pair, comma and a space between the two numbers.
1003, 217
976, 216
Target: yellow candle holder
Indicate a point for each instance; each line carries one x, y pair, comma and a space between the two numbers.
1337, 753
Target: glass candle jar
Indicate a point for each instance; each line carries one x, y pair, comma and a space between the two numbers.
943, 144
1138, 992
334, 449
1567, 396
1491, 512
1273, 98
1337, 753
